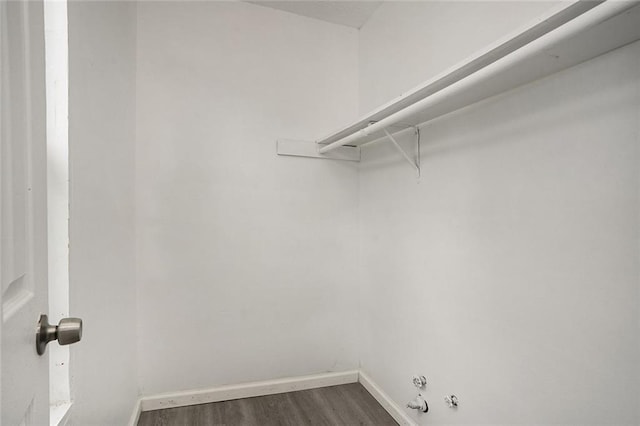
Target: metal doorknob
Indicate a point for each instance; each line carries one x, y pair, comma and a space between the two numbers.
67, 332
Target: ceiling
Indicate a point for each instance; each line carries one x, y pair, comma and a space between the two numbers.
350, 13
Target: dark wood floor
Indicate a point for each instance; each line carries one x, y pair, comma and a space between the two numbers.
347, 405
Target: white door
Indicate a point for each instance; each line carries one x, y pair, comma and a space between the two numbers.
23, 227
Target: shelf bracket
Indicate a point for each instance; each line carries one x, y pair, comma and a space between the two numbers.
415, 162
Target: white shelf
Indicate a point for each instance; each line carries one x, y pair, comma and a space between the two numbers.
563, 38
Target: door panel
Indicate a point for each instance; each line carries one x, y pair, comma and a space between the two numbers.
23, 250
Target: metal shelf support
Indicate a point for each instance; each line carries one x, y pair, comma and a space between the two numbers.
415, 162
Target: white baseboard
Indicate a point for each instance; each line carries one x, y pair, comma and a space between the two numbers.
383, 399
246, 390
59, 414
135, 414
270, 387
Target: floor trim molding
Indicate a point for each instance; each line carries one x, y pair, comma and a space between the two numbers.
270, 387
247, 390
394, 410
135, 414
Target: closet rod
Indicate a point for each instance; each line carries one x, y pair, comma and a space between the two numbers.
588, 19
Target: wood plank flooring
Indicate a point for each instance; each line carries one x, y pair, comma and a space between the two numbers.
344, 405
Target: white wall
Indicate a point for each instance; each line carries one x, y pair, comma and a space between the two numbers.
102, 255
508, 273
246, 261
